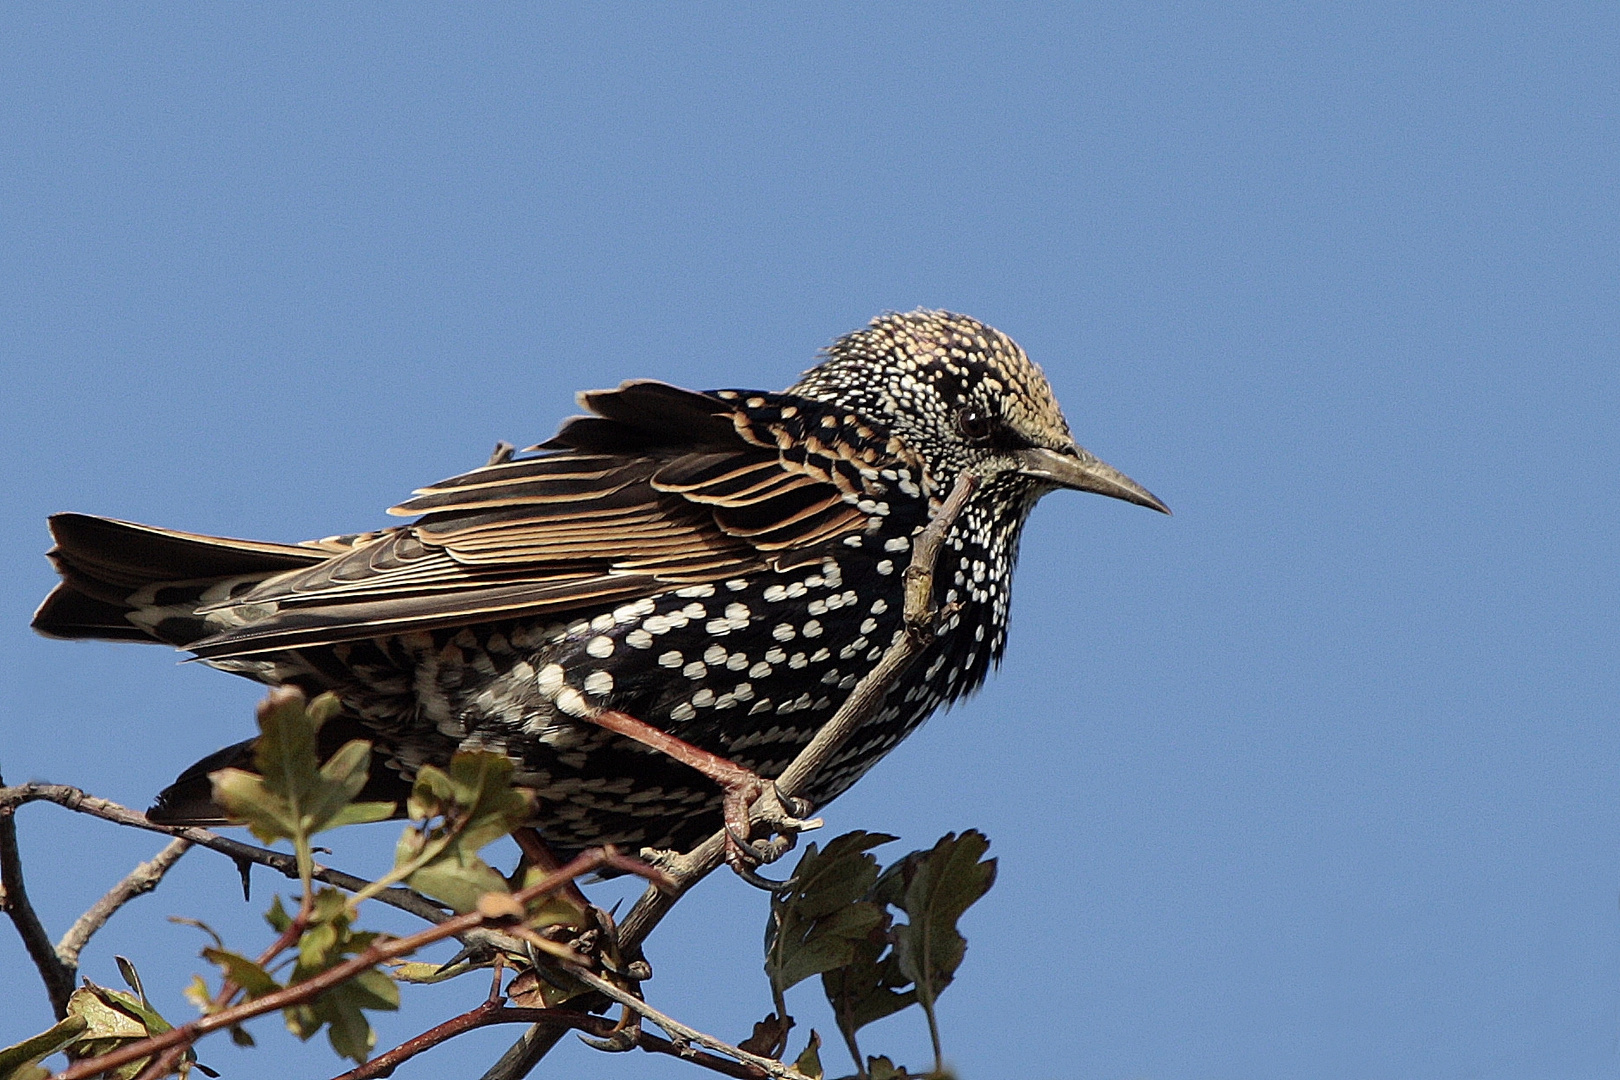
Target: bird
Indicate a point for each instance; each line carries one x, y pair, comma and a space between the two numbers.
721, 567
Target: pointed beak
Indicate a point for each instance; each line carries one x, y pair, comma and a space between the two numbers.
1083, 472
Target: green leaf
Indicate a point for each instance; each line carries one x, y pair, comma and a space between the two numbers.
292, 797
252, 978
416, 971
21, 1060
881, 1068
482, 801
112, 1019
816, 925
277, 916
460, 810
809, 1061
939, 887
330, 940
456, 883
340, 1009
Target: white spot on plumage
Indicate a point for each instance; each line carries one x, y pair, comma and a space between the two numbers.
550, 680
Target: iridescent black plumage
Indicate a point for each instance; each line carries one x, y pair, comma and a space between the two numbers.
722, 565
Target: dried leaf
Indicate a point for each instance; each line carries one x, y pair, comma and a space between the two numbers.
769, 1037
112, 1019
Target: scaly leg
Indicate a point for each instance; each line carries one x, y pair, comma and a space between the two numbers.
742, 788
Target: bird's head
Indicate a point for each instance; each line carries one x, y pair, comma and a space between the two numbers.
964, 395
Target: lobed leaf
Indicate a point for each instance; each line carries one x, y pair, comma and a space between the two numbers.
938, 888
816, 925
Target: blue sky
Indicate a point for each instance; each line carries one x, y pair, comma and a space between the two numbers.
1319, 778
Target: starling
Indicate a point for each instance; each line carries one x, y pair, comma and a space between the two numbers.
724, 566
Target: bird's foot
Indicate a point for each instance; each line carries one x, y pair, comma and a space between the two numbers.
758, 805
752, 803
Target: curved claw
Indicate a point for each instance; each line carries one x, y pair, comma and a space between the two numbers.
758, 880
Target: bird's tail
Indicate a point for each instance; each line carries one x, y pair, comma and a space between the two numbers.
128, 582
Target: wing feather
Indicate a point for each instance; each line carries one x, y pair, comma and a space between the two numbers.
661, 487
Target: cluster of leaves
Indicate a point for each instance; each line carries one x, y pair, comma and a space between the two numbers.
292, 797
840, 920
882, 940
455, 811
98, 1021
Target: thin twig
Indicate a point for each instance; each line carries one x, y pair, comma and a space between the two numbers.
58, 977
558, 1021
862, 704
680, 1033
378, 952
77, 800
143, 879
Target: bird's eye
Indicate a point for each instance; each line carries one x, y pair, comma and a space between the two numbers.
974, 423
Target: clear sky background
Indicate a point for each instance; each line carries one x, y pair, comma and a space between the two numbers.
1318, 778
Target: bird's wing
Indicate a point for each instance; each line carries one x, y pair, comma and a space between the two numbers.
661, 488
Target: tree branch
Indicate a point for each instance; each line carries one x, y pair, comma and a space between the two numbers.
143, 879
58, 977
77, 800
683, 1034
378, 952
556, 1021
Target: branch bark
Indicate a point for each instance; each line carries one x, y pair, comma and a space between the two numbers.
58, 977
77, 800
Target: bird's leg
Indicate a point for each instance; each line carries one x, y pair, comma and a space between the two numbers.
743, 789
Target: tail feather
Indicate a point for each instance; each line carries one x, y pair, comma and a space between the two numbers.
127, 582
